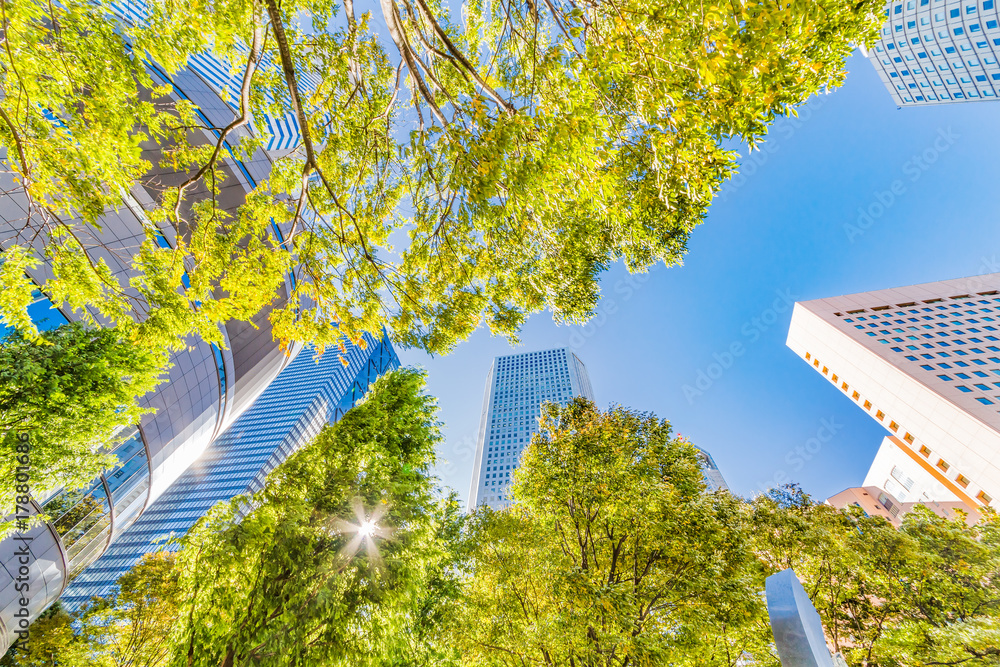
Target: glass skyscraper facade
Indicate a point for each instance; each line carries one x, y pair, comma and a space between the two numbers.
307, 395
939, 51
516, 387
207, 388
712, 475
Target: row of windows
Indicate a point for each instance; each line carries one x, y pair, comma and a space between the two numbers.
969, 9
964, 46
962, 301
950, 40
982, 496
976, 316
943, 67
973, 27
522, 360
961, 480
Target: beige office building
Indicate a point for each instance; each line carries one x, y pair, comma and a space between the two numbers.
923, 361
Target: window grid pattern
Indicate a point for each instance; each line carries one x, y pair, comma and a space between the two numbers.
282, 132
519, 385
954, 339
957, 340
290, 412
939, 51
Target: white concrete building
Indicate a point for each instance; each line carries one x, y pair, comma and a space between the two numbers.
939, 51
923, 361
896, 483
904, 478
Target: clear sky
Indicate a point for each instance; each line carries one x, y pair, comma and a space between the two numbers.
787, 229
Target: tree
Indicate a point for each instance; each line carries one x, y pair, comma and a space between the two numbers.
52, 642
346, 557
927, 593
73, 391
343, 558
451, 173
612, 553
133, 625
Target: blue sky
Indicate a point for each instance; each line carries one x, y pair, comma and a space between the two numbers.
786, 229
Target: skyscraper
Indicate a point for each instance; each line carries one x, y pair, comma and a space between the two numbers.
939, 51
207, 388
713, 476
516, 387
923, 361
290, 413
895, 483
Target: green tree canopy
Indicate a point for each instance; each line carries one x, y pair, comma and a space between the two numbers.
53, 642
927, 593
347, 556
613, 553
343, 557
73, 390
130, 627
453, 171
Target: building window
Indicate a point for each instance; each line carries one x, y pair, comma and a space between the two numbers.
963, 481
843, 385
908, 438
880, 415
808, 356
924, 451
984, 498
825, 370
944, 465
835, 378
868, 405
855, 396
894, 426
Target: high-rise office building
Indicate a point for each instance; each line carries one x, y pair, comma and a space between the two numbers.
516, 387
903, 478
896, 483
939, 51
923, 361
306, 396
713, 476
208, 387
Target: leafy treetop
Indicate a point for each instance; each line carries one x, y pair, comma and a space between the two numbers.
452, 172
